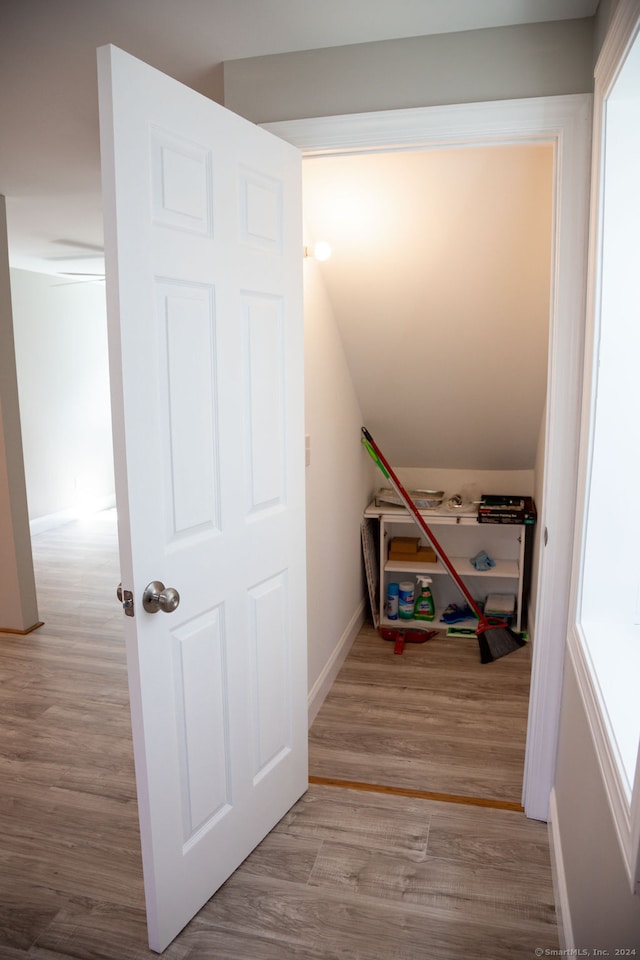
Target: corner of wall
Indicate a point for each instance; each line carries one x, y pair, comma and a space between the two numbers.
338, 488
331, 668
560, 892
19, 606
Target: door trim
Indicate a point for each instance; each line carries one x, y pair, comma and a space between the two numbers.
565, 123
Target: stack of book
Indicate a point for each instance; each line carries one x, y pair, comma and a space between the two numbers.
496, 508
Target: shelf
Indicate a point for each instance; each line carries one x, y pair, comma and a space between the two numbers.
412, 624
461, 537
504, 568
439, 515
436, 624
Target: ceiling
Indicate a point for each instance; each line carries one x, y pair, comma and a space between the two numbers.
49, 159
440, 284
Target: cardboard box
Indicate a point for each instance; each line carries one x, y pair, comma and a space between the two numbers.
404, 545
427, 555
423, 554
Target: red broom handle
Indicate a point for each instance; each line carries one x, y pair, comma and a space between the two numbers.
379, 458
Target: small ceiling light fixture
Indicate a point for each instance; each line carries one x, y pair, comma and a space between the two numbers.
320, 250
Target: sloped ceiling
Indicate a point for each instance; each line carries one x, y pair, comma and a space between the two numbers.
440, 285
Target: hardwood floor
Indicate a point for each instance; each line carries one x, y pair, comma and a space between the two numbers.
433, 719
346, 874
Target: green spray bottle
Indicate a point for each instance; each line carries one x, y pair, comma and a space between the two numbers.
424, 608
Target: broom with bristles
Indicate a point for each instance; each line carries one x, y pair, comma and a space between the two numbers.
495, 636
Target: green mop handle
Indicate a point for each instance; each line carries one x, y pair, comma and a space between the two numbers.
378, 458
374, 456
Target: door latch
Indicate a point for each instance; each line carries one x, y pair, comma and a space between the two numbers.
126, 599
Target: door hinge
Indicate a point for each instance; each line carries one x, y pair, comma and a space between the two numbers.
126, 599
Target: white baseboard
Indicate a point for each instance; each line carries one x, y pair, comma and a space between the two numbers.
323, 684
51, 520
560, 892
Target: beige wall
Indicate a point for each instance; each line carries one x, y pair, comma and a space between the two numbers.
604, 15
500, 63
18, 605
440, 286
339, 483
602, 910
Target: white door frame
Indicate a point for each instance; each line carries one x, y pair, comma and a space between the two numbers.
564, 122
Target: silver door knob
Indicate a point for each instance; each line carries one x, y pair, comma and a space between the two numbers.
158, 597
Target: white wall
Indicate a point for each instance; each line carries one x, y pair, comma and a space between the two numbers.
533, 60
340, 480
599, 908
63, 383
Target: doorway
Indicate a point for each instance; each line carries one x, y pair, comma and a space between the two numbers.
565, 123
439, 285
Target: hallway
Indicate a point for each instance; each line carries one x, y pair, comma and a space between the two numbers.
345, 874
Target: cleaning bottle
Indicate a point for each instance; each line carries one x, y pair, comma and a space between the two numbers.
393, 591
424, 607
406, 599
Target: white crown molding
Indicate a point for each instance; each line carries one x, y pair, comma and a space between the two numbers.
502, 121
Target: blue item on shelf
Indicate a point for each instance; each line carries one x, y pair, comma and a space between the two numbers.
482, 561
393, 591
455, 613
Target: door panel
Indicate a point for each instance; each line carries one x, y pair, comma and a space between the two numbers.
263, 317
202, 715
189, 397
204, 294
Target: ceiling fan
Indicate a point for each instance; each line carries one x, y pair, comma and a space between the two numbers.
96, 255
87, 278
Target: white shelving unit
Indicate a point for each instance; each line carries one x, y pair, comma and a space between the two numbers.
461, 537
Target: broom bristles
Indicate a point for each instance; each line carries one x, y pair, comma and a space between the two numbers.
496, 640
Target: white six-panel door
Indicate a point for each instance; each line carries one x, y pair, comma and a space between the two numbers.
204, 291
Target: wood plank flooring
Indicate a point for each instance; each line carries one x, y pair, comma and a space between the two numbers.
433, 719
346, 875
